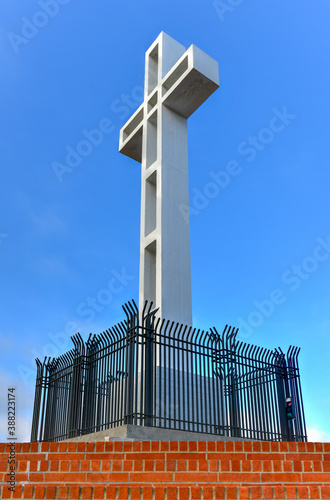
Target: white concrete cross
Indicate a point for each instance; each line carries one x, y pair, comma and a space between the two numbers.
177, 82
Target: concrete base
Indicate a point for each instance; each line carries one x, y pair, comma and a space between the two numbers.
139, 433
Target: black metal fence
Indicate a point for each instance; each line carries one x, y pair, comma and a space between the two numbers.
151, 372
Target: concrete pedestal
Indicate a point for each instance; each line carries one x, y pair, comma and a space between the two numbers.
139, 433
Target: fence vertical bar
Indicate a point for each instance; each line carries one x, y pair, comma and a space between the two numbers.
149, 340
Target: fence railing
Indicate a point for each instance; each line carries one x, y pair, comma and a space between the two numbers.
151, 372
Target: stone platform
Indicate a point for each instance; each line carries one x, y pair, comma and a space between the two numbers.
140, 433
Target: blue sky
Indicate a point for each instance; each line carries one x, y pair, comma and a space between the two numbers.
260, 239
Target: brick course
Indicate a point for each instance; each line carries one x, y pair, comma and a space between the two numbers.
165, 470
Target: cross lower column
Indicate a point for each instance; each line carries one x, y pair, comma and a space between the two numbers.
177, 82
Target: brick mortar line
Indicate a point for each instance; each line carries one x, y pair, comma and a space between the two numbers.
197, 482
218, 480
262, 462
166, 452
237, 488
192, 444
305, 476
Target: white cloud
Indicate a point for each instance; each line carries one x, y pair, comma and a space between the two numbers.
316, 435
49, 266
48, 223
24, 399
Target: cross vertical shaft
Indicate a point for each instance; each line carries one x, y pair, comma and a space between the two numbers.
177, 82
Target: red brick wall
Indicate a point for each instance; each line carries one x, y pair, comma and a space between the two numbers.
152, 470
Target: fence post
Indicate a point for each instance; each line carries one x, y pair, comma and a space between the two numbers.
287, 394
298, 424
132, 327
51, 401
36, 420
232, 384
75, 398
289, 422
148, 328
280, 376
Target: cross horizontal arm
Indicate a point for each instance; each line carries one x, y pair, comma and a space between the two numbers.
190, 82
130, 139
183, 89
